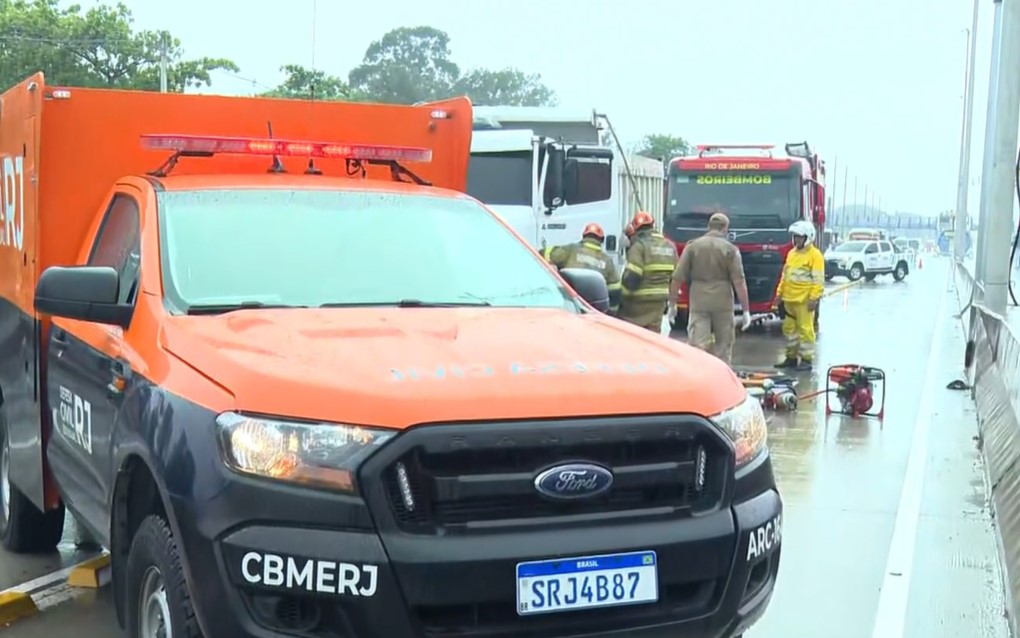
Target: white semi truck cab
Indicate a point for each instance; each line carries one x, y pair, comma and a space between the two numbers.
547, 177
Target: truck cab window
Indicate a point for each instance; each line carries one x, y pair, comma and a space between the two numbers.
594, 182
885, 247
118, 244
872, 248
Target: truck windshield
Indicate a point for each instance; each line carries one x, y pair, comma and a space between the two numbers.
751, 200
344, 248
501, 179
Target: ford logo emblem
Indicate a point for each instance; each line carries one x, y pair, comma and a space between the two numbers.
574, 481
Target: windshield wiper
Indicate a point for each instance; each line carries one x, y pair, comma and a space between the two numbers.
411, 303
219, 308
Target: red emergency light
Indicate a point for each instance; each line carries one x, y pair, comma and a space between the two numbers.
206, 144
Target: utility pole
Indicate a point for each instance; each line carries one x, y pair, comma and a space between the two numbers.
1003, 159
855, 199
960, 221
163, 64
835, 169
991, 127
865, 203
846, 176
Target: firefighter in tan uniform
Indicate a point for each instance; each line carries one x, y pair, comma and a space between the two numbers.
588, 254
651, 259
711, 268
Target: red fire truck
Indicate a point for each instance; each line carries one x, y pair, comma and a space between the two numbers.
762, 192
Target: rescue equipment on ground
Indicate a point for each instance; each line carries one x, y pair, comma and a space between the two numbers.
779, 397
775, 391
854, 386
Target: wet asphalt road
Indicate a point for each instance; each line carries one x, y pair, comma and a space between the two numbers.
841, 480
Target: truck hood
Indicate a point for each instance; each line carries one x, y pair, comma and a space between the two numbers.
396, 367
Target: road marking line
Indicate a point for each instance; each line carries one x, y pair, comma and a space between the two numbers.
841, 287
890, 618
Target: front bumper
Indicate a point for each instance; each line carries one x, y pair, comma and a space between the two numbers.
836, 269
270, 561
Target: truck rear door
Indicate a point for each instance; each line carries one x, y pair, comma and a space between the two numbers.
20, 360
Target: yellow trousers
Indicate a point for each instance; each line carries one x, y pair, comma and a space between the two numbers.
799, 330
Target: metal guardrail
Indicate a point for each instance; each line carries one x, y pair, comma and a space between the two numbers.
996, 393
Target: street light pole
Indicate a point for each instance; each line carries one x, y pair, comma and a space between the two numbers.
1003, 156
960, 220
991, 127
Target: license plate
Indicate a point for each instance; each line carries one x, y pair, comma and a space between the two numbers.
587, 582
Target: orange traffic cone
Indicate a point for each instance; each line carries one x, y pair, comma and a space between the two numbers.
920, 262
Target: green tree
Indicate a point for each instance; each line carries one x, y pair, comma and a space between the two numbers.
662, 146
505, 87
94, 48
407, 65
306, 84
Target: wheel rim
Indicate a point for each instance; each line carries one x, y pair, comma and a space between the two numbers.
154, 616
856, 273
5, 480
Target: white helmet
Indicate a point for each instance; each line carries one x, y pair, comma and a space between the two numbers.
803, 228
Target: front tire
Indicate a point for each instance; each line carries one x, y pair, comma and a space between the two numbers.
856, 272
23, 527
901, 271
157, 601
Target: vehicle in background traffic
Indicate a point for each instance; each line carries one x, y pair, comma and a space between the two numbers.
946, 221
867, 259
830, 238
297, 387
867, 234
762, 193
547, 173
910, 248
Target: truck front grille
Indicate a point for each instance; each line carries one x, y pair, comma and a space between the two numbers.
762, 271
488, 482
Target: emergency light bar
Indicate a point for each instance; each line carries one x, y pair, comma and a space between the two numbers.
211, 145
716, 147
765, 150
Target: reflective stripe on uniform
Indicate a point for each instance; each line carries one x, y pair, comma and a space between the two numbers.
659, 268
637, 270
651, 292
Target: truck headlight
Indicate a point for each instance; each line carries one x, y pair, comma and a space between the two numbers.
323, 455
746, 427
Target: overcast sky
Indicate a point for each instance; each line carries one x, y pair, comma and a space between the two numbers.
875, 85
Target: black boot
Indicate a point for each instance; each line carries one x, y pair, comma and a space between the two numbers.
787, 363
804, 365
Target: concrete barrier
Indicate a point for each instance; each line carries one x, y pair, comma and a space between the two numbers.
995, 389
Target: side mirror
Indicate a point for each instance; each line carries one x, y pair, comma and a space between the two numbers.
88, 293
552, 197
590, 285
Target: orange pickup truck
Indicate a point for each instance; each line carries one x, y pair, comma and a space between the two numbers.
272, 357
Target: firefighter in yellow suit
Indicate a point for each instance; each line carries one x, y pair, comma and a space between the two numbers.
800, 290
651, 259
588, 254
